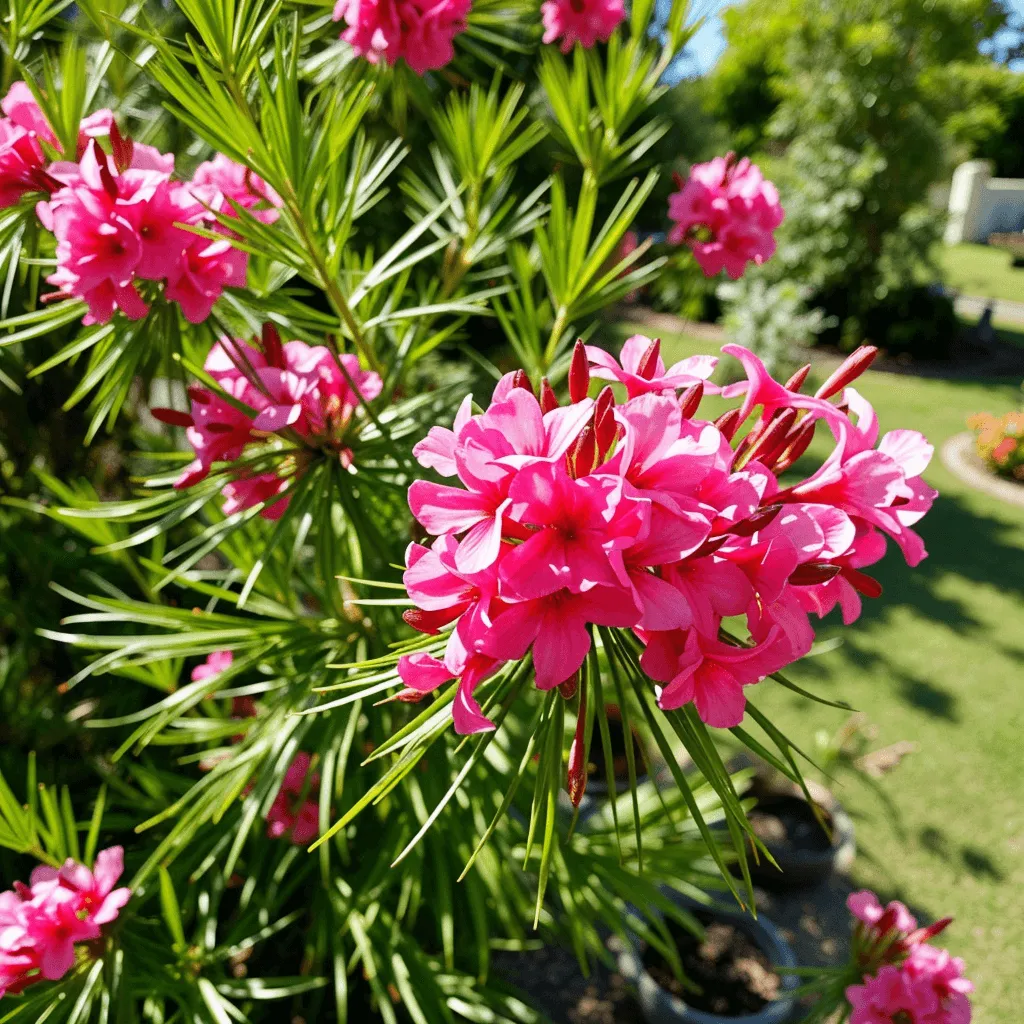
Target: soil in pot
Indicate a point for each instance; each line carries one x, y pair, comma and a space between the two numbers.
735, 976
787, 823
597, 772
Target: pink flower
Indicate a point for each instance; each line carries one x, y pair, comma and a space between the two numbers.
581, 21
202, 270
575, 525
938, 979
21, 107
864, 906
642, 517
21, 164
303, 391
40, 923
221, 178
99, 901
882, 486
707, 672
418, 31
643, 370
486, 453
298, 820
555, 626
215, 663
887, 998
727, 213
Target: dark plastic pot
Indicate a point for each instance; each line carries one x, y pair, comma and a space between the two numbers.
660, 1006
804, 868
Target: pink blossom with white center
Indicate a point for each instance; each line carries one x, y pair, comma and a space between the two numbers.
586, 22
421, 32
727, 213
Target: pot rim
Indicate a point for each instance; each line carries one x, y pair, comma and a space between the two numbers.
658, 1003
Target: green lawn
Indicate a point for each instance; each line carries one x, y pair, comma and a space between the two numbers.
981, 270
939, 659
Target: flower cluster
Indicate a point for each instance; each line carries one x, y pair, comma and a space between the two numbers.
905, 980
1000, 441
417, 31
641, 516
116, 218
41, 922
726, 213
23, 132
295, 814
297, 391
581, 21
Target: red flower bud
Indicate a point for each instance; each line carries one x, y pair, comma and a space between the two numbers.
272, 347
520, 380
749, 526
797, 381
848, 372
568, 688
172, 416
123, 149
862, 583
107, 180
431, 622
812, 573
548, 400
579, 373
605, 425
649, 360
772, 436
691, 400
581, 459
728, 423
796, 444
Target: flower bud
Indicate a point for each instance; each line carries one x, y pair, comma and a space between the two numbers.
691, 400
172, 416
605, 426
728, 423
797, 381
648, 364
548, 400
798, 441
272, 347
848, 372
862, 583
772, 436
581, 459
812, 573
758, 521
579, 373
122, 147
521, 380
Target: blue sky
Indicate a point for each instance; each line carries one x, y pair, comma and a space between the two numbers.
707, 45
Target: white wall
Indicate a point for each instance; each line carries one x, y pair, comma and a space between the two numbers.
980, 205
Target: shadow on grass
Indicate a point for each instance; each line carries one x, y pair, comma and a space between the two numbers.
976, 862
974, 548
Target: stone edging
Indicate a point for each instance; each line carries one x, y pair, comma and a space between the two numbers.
959, 456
